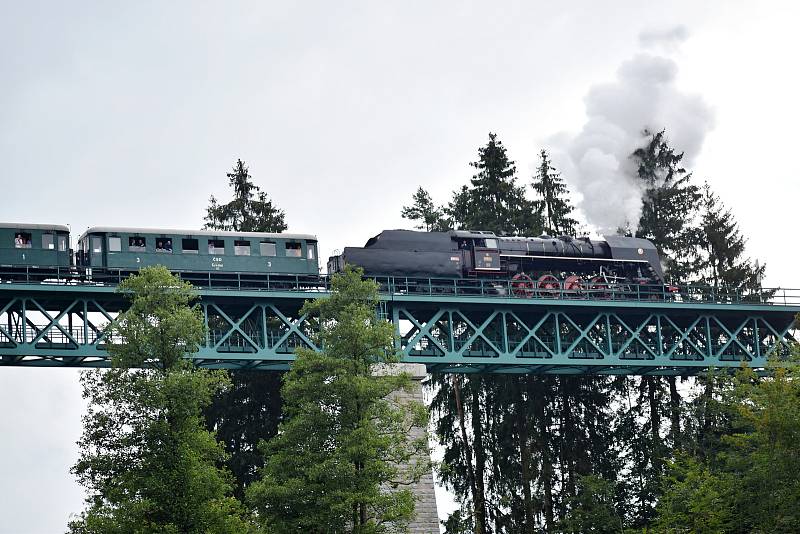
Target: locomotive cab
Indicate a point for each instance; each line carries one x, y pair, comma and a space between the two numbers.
479, 251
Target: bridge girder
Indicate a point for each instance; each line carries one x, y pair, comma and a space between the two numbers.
47, 325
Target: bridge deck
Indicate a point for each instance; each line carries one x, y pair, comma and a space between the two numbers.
447, 325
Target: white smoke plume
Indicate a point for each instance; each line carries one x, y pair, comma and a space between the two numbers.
597, 161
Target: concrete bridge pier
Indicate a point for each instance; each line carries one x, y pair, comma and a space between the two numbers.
427, 518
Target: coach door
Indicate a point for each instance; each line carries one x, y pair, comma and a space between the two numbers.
96, 251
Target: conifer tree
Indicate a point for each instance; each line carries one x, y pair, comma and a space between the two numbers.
343, 459
552, 203
750, 480
485, 434
425, 213
494, 202
248, 411
250, 210
669, 205
723, 262
669, 213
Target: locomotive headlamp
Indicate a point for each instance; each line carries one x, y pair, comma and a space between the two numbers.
640, 251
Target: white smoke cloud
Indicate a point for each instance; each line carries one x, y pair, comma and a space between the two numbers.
644, 96
667, 39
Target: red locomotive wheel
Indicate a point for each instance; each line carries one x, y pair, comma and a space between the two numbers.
522, 285
549, 286
598, 288
573, 284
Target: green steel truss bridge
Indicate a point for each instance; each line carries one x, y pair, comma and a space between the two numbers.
448, 325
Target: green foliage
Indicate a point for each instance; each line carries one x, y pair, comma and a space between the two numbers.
249, 410
147, 463
552, 205
723, 263
750, 481
696, 500
159, 328
250, 210
342, 457
669, 205
494, 202
459, 522
424, 211
242, 415
592, 508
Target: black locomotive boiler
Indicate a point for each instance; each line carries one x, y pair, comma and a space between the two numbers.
534, 265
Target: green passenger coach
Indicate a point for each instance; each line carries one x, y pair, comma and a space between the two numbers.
34, 245
129, 249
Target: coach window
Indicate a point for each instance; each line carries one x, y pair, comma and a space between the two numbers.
311, 251
137, 244
216, 246
190, 246
97, 245
491, 243
48, 242
294, 250
267, 248
22, 240
164, 244
114, 244
62, 243
241, 248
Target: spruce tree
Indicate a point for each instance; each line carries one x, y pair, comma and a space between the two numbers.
552, 203
669, 220
250, 209
425, 213
723, 263
669, 207
749, 481
494, 202
342, 460
483, 421
249, 411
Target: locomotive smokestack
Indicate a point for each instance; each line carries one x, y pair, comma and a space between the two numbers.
644, 96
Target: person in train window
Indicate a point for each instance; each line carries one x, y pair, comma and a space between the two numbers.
168, 245
18, 241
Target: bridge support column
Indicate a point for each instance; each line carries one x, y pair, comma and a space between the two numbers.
427, 517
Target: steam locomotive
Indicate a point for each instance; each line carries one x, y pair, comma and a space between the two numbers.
540, 265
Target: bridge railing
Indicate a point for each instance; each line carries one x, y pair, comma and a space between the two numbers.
463, 287
686, 293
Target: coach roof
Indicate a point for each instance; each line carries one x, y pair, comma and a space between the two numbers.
26, 226
209, 233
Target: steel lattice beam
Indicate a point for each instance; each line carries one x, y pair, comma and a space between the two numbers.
64, 325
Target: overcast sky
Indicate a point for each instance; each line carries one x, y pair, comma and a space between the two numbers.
130, 114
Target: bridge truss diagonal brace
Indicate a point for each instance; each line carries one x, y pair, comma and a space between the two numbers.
54, 321
3, 311
684, 335
293, 327
235, 326
532, 333
583, 334
600, 338
636, 334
